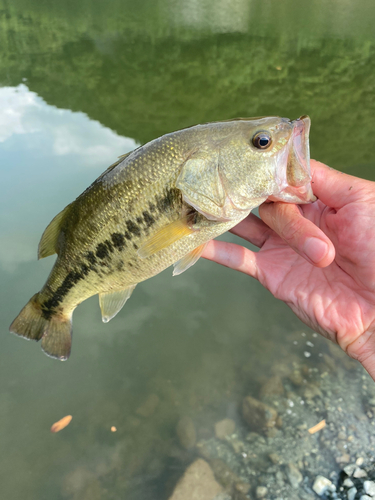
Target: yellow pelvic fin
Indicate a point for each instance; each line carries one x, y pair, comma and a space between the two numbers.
188, 260
112, 302
48, 243
165, 237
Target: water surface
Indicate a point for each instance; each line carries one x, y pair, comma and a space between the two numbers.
82, 83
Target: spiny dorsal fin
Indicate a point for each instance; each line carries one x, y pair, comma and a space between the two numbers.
112, 302
188, 260
117, 162
165, 237
48, 243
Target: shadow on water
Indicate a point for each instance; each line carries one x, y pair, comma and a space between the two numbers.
83, 82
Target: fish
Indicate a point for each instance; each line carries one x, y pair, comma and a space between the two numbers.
159, 205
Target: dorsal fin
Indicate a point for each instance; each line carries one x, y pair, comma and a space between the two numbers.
48, 243
117, 162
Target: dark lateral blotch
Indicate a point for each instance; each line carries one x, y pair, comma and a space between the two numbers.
91, 258
148, 218
118, 240
133, 228
102, 251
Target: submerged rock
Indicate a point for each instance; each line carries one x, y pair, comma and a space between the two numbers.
197, 483
186, 434
224, 474
293, 474
258, 415
322, 485
224, 428
369, 487
147, 409
272, 387
261, 492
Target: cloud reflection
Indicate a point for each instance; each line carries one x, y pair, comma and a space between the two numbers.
45, 153
25, 113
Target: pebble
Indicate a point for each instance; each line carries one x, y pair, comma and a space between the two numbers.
369, 487
358, 473
294, 475
280, 477
351, 493
242, 487
348, 483
296, 378
322, 485
365, 497
359, 461
237, 445
261, 492
349, 469
275, 458
224, 428
343, 459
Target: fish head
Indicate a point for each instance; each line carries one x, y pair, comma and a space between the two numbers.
272, 161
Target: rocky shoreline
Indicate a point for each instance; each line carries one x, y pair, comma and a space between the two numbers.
270, 450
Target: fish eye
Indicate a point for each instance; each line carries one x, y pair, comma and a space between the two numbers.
262, 140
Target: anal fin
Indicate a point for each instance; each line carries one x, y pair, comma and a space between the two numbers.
112, 302
166, 236
188, 260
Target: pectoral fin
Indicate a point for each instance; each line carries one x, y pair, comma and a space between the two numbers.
112, 302
188, 260
48, 242
166, 236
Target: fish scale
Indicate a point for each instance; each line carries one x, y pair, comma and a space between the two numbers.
158, 206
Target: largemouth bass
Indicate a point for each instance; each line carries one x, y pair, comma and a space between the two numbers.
159, 205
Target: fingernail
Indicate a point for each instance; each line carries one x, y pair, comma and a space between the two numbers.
315, 249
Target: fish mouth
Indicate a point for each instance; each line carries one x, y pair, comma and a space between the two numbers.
298, 175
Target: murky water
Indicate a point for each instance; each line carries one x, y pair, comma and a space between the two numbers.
80, 84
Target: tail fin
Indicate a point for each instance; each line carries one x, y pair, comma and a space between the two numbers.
55, 332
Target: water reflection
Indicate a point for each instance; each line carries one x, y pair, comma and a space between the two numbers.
49, 150
224, 16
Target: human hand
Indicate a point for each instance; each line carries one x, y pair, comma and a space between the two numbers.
319, 259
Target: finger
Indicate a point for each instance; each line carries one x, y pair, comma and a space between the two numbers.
335, 188
252, 229
231, 255
299, 233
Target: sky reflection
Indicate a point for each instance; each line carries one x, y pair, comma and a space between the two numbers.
45, 155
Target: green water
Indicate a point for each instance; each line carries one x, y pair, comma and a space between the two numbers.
80, 84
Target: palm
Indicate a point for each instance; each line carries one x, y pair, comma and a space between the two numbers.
334, 291
337, 300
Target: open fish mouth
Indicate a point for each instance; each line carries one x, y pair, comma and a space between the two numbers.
298, 164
